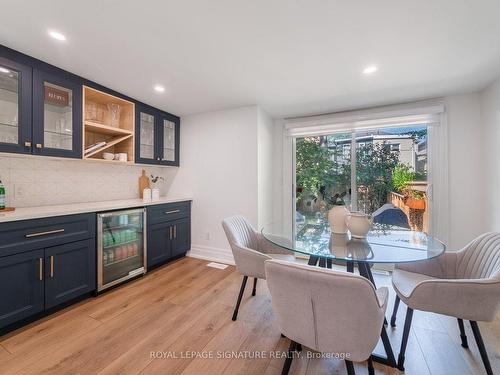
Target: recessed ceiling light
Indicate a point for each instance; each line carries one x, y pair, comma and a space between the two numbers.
3, 70
370, 69
57, 35
159, 88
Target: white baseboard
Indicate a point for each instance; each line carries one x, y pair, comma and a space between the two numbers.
213, 254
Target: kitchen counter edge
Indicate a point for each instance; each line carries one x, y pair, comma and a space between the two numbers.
27, 213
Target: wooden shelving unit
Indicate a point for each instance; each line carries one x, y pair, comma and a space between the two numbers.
98, 128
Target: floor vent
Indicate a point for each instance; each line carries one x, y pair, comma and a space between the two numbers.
217, 265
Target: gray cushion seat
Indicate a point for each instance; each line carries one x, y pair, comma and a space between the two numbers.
250, 250
328, 311
464, 284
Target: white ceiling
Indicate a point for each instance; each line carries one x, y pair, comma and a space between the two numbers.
291, 57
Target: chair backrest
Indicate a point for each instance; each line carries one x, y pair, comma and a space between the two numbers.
480, 259
240, 232
245, 246
326, 310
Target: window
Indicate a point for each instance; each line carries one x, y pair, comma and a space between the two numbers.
384, 175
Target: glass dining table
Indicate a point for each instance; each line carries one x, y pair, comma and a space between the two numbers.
383, 244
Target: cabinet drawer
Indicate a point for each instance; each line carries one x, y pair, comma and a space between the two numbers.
21, 236
167, 212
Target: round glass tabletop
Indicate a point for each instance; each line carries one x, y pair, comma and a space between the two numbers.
384, 244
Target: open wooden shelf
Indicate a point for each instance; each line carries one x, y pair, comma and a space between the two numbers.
108, 145
105, 129
119, 138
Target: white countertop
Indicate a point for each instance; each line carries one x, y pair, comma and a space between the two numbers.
26, 213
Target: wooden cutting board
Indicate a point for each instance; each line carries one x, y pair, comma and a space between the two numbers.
7, 209
143, 183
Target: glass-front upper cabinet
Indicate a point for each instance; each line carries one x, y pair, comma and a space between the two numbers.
57, 115
146, 135
15, 107
157, 137
169, 143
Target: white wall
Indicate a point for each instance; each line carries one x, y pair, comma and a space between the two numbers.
490, 112
265, 134
466, 178
219, 167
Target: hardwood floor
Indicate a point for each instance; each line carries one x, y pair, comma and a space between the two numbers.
186, 307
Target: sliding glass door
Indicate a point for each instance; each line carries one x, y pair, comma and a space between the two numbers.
380, 171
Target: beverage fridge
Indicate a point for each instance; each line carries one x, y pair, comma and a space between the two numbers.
121, 246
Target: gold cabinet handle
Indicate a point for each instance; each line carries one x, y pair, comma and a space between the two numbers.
175, 231
170, 228
172, 212
51, 266
39, 145
40, 269
30, 235
27, 144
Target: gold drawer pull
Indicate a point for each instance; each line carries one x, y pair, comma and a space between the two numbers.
172, 212
175, 231
44, 233
40, 269
170, 229
51, 266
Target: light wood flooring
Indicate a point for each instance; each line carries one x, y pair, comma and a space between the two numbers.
186, 307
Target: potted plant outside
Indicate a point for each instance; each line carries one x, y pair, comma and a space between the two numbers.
414, 199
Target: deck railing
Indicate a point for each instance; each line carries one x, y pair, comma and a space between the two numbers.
418, 219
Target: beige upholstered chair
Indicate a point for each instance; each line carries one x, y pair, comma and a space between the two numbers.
328, 311
250, 251
463, 284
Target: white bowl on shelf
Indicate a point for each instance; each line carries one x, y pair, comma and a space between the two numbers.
108, 156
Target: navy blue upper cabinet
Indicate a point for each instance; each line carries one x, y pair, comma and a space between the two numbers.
57, 115
146, 135
157, 137
15, 106
169, 139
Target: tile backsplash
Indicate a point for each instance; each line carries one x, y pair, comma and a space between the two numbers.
41, 181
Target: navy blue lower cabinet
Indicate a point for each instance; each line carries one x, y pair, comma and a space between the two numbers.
21, 286
159, 246
70, 271
181, 238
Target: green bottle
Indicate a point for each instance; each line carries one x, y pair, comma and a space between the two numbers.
2, 196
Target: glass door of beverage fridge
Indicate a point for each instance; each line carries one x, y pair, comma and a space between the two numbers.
121, 246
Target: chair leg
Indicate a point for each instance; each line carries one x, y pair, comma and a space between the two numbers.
404, 341
254, 290
395, 311
481, 347
371, 370
242, 289
463, 336
289, 358
350, 368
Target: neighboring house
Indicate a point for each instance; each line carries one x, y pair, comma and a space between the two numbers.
411, 152
421, 163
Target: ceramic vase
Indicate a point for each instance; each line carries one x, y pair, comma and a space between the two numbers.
337, 218
359, 224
